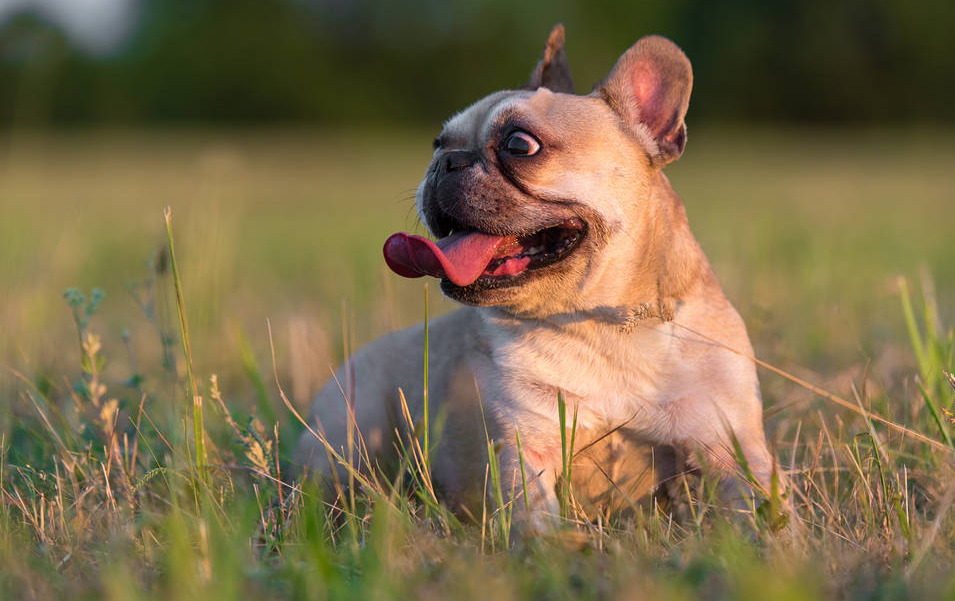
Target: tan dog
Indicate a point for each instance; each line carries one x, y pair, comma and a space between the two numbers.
557, 226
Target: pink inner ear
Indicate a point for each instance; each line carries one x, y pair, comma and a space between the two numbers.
648, 88
659, 109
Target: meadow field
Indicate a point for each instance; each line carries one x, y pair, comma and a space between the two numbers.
836, 246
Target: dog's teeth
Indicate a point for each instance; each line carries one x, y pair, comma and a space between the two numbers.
534, 250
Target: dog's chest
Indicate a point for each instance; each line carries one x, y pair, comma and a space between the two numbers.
611, 378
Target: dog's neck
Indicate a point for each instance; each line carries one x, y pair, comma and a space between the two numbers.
670, 265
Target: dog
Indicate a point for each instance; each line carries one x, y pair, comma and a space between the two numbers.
559, 232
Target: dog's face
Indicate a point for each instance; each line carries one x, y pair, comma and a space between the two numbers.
552, 171
539, 197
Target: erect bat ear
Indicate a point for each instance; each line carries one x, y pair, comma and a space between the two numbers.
649, 88
553, 71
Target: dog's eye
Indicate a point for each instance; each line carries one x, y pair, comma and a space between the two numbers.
521, 144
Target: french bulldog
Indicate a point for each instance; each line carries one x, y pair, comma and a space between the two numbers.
557, 229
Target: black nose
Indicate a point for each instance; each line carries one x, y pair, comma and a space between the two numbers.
459, 159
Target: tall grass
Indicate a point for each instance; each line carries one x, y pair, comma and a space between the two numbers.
103, 501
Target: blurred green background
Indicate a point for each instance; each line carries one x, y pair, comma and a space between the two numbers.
342, 63
288, 136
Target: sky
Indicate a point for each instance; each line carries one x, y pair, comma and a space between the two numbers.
96, 26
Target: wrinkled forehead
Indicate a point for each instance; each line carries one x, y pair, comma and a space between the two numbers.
476, 122
541, 111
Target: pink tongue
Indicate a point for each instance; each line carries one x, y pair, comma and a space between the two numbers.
461, 257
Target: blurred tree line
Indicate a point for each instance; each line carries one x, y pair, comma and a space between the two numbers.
348, 62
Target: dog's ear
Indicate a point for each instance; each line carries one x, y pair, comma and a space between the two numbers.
649, 88
553, 71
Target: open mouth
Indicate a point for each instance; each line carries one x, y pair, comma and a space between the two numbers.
533, 251
464, 257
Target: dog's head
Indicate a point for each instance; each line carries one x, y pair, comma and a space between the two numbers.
545, 201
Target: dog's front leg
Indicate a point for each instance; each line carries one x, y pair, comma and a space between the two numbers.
733, 448
529, 478
744, 465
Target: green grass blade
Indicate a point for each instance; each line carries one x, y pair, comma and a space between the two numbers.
912, 325
520, 458
566, 453
936, 415
197, 423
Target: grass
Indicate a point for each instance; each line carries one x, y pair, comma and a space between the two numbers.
810, 234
